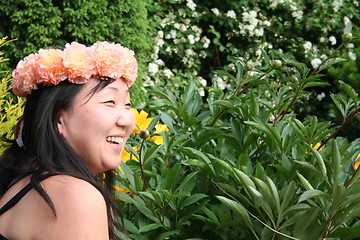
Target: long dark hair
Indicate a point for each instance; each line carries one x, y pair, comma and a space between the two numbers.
45, 149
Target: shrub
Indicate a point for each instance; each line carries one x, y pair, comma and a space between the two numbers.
48, 24
11, 107
239, 164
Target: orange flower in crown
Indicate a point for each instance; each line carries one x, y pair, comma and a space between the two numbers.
77, 63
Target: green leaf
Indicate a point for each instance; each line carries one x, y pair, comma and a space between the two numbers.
312, 193
151, 153
187, 185
336, 159
304, 182
149, 227
245, 179
237, 208
194, 153
320, 160
288, 196
350, 92
129, 226
192, 199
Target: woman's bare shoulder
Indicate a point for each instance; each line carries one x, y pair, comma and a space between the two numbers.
80, 209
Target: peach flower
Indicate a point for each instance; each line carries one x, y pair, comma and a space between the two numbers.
25, 76
50, 66
109, 59
79, 62
130, 71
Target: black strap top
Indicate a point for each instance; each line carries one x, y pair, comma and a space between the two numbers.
35, 179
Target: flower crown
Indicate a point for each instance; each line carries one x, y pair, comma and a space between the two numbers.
76, 63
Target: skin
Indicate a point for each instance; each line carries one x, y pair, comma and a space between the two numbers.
90, 122
80, 207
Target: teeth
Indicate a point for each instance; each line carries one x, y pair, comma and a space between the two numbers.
116, 140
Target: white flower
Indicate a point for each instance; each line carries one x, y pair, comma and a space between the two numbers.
202, 54
202, 81
332, 39
259, 32
315, 62
159, 62
274, 3
183, 27
266, 23
215, 11
159, 42
182, 13
173, 34
168, 73
231, 14
190, 4
322, 39
153, 68
298, 14
352, 56
168, 50
202, 92
250, 17
206, 42
307, 46
346, 20
191, 39
320, 96
189, 52
337, 4
160, 34
350, 45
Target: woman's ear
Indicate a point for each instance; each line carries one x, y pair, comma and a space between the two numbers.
60, 122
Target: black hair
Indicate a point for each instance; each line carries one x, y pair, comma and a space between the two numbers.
46, 150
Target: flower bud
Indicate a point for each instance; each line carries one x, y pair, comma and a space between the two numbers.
276, 64
347, 37
144, 133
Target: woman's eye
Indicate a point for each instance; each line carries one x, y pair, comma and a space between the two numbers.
128, 104
110, 101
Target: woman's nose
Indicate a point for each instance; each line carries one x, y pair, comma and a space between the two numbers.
126, 119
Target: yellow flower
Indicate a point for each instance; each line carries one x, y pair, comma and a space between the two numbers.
142, 121
119, 189
317, 146
159, 128
126, 155
357, 162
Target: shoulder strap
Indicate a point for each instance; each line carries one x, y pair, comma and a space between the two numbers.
35, 179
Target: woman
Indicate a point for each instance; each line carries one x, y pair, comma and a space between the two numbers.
55, 178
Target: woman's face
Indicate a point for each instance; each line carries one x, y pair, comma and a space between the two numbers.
98, 126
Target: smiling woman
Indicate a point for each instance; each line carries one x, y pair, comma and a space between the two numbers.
76, 121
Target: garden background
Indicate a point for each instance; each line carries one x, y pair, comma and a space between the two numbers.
247, 111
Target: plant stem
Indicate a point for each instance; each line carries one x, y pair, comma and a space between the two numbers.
316, 70
141, 163
242, 88
328, 58
337, 130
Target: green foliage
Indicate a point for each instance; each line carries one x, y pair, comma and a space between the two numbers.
194, 38
11, 108
47, 24
240, 164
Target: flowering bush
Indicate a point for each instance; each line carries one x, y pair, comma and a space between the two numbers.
240, 164
193, 38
